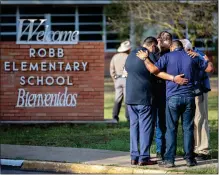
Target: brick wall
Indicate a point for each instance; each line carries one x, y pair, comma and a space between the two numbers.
89, 85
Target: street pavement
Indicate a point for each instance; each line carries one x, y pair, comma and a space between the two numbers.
11, 170
85, 156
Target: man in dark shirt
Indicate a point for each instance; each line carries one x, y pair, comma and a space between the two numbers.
139, 101
159, 92
180, 99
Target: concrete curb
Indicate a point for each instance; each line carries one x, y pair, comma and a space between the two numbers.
80, 168
10, 162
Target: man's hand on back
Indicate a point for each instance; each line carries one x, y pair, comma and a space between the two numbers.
206, 58
179, 79
192, 53
142, 55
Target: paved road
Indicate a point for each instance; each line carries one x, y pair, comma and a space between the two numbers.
11, 170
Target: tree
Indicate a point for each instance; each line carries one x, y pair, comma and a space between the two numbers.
174, 16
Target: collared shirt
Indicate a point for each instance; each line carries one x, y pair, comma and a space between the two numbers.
138, 82
203, 77
117, 64
179, 62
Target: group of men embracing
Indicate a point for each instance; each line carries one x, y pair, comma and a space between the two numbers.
161, 81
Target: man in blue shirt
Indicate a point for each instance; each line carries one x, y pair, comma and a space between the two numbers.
180, 99
139, 101
201, 128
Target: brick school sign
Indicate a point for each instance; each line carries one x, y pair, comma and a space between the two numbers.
50, 82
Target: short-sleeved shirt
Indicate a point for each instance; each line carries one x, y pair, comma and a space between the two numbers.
138, 82
117, 64
203, 77
179, 62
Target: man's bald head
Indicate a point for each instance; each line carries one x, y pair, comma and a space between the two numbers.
176, 44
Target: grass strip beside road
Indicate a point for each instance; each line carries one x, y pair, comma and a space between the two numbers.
97, 136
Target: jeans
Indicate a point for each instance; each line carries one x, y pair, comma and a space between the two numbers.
141, 130
159, 116
160, 128
177, 106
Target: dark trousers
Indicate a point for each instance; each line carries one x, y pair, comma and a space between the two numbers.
159, 117
141, 130
120, 90
185, 107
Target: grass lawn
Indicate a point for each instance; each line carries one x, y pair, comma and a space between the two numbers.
212, 112
98, 136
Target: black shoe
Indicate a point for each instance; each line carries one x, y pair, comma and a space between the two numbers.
191, 162
166, 164
116, 118
148, 162
134, 162
203, 156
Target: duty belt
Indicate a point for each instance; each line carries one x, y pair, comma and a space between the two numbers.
120, 76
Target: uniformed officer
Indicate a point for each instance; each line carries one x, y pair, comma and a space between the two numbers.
119, 75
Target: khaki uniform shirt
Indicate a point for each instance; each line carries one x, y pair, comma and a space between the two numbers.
117, 65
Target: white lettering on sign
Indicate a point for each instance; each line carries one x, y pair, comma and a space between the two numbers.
46, 66
26, 99
49, 80
44, 37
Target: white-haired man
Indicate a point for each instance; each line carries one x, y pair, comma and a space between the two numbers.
201, 128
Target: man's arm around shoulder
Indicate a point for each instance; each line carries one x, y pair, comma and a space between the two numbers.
156, 71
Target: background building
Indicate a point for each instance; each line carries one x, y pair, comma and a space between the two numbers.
86, 16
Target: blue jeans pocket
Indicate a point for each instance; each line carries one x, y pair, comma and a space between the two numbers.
173, 102
190, 102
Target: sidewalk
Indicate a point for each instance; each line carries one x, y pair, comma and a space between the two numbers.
86, 156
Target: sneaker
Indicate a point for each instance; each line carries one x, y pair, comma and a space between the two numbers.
158, 155
203, 156
191, 162
166, 164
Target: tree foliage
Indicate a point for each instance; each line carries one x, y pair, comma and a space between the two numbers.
174, 16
